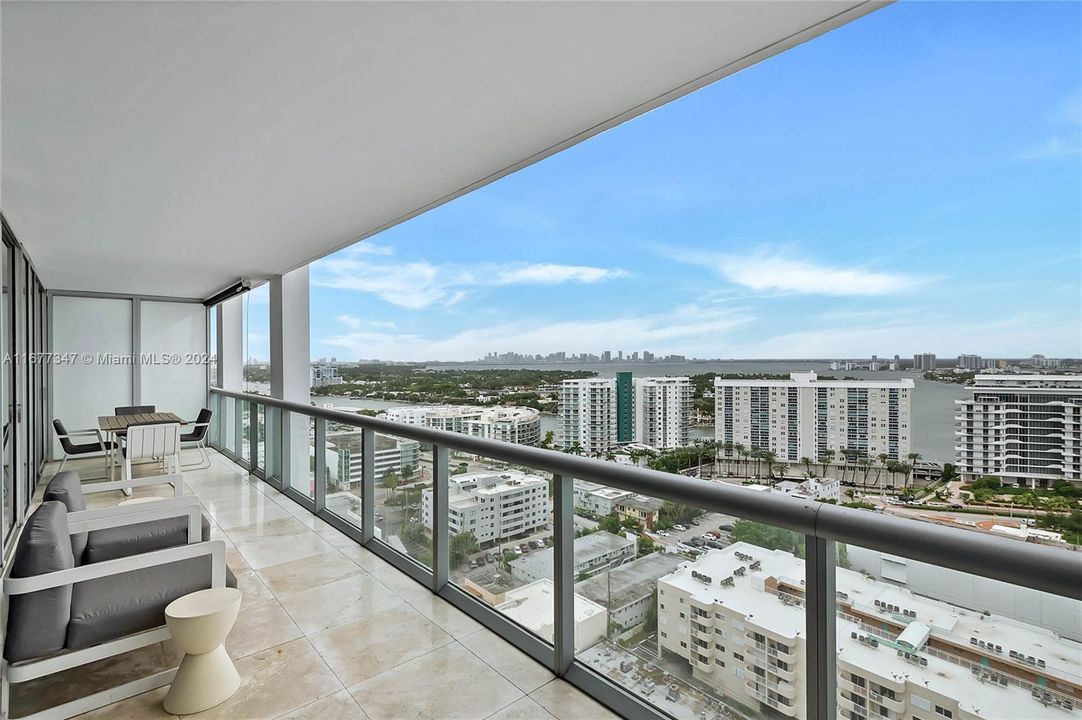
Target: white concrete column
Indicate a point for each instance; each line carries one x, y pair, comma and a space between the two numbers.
291, 373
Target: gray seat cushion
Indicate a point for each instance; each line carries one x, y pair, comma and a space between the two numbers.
112, 607
66, 487
37, 622
117, 542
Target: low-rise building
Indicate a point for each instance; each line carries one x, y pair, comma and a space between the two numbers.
344, 456
639, 508
533, 607
824, 489
628, 590
593, 552
737, 617
325, 376
513, 424
494, 506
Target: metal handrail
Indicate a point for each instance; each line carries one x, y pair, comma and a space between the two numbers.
1047, 569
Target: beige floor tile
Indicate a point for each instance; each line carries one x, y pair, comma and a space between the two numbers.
515, 665
403, 585
276, 550
340, 706
353, 598
260, 626
456, 686
242, 516
567, 702
448, 618
276, 681
147, 706
373, 644
252, 588
299, 575
366, 559
522, 709
273, 528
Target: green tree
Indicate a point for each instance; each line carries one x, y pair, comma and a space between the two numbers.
913, 458
461, 546
408, 471
768, 536
390, 482
825, 457
1030, 500
807, 463
950, 473
1058, 503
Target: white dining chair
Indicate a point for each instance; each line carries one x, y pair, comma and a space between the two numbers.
159, 442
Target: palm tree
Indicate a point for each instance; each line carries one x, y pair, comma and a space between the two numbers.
778, 470
883, 458
913, 458
758, 455
807, 463
575, 449
390, 481
741, 451
768, 457
825, 458
727, 448
1030, 499
866, 465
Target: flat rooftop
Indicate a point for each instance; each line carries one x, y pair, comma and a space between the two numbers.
588, 548
629, 582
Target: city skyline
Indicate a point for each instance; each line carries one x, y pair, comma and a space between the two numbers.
805, 207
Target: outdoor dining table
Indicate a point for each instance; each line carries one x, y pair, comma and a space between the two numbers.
113, 426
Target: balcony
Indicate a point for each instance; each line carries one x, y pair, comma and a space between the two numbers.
326, 628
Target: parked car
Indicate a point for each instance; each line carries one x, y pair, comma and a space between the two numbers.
712, 535
716, 545
679, 528
694, 521
726, 527
489, 557
539, 544
696, 542
518, 550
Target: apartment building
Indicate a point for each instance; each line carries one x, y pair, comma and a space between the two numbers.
514, 424
493, 506
736, 616
806, 417
662, 411
628, 590
325, 376
969, 362
587, 410
344, 456
1023, 429
601, 500
600, 413
924, 361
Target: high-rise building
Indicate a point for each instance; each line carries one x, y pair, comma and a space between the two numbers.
969, 362
737, 617
1023, 429
625, 407
806, 417
924, 361
662, 411
325, 376
493, 506
587, 409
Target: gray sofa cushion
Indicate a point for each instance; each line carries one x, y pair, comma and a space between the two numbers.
37, 623
112, 607
112, 543
66, 487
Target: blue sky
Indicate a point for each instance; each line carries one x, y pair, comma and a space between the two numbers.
911, 182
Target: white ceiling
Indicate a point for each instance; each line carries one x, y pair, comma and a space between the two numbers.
170, 148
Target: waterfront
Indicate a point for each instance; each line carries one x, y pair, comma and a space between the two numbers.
933, 402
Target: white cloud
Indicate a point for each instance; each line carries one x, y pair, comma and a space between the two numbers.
421, 284
772, 271
551, 274
1053, 147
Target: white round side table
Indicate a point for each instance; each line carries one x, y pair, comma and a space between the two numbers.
199, 623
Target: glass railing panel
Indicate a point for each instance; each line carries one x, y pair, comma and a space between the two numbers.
215, 419
344, 472
260, 437
273, 442
403, 471
916, 639
500, 538
697, 613
244, 446
228, 423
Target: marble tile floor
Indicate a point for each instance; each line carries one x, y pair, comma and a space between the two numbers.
326, 630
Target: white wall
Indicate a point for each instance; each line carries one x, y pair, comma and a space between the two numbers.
88, 387
174, 331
